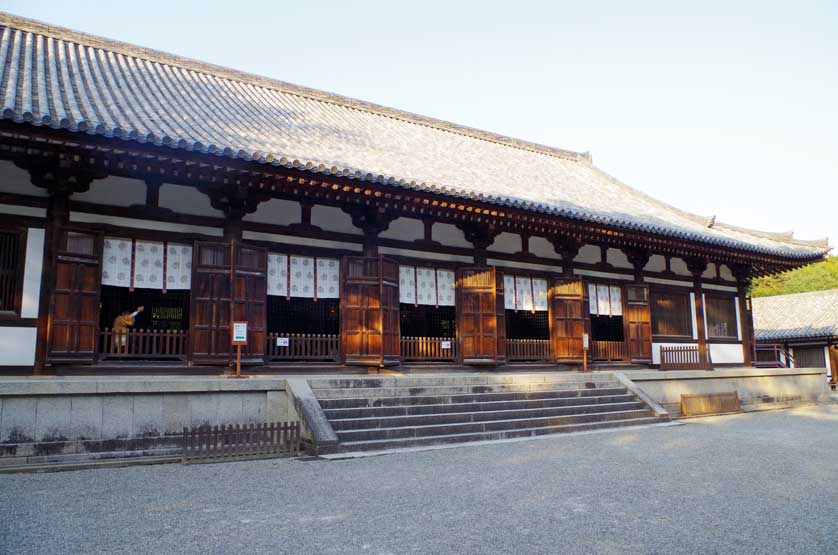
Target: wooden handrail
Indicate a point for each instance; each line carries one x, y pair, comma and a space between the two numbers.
609, 350
772, 355
685, 357
528, 349
420, 349
143, 344
303, 346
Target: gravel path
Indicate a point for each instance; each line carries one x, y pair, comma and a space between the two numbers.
753, 483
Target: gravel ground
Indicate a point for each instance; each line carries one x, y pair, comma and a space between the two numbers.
751, 483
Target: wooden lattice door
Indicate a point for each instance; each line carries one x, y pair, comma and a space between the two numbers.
568, 319
481, 324
369, 311
73, 330
212, 284
249, 298
638, 322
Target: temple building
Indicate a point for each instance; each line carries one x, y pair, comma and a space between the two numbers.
340, 231
798, 330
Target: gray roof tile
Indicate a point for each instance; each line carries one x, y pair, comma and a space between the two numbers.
82, 83
796, 316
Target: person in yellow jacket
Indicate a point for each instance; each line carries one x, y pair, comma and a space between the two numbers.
120, 327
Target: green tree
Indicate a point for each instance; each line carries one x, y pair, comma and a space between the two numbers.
815, 277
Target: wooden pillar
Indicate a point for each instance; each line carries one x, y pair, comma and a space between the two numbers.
638, 259
236, 201
697, 266
372, 223
60, 181
567, 248
481, 236
742, 273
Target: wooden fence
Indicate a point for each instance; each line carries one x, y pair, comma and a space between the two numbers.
528, 349
609, 350
699, 404
428, 348
772, 356
685, 357
143, 344
303, 346
240, 441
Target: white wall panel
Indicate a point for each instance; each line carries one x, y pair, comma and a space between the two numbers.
618, 259
332, 218
18, 210
540, 246
16, 180
32, 272
187, 200
405, 229
276, 211
656, 349
449, 235
725, 273
679, 267
145, 224
657, 263
114, 191
506, 242
589, 254
17, 346
726, 353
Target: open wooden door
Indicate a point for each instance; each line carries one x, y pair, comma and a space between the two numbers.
638, 323
249, 300
369, 311
73, 331
568, 319
212, 285
481, 324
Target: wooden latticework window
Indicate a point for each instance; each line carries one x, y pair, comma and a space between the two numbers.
427, 320
671, 314
163, 311
302, 315
721, 317
526, 324
11, 271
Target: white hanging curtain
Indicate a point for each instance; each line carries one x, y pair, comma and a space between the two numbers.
445, 287
148, 264
301, 278
407, 284
539, 288
328, 285
178, 266
116, 262
523, 293
426, 286
277, 275
616, 301
509, 292
603, 300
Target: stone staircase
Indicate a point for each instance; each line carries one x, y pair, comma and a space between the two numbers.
369, 414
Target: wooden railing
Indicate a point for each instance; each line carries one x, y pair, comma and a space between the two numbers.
528, 349
143, 344
686, 357
303, 346
609, 350
241, 441
772, 356
421, 349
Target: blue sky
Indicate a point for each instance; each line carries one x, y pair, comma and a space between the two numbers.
725, 108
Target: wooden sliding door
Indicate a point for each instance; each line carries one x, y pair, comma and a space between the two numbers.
638, 323
481, 322
568, 319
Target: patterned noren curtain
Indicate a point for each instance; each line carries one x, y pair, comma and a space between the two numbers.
539, 287
508, 292
301, 280
116, 262
277, 275
616, 301
178, 266
445, 287
407, 284
523, 293
305, 271
328, 285
426, 286
148, 264
603, 300
593, 305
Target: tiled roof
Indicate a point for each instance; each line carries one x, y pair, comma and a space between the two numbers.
64, 79
796, 316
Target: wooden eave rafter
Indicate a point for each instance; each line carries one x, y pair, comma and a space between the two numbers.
134, 160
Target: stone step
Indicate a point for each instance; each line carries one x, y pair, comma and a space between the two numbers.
359, 402
446, 408
422, 441
377, 392
468, 379
487, 426
340, 425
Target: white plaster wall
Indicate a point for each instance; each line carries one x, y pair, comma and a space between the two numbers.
426, 255
725, 273
301, 241
17, 346
657, 263
405, 229
668, 281
540, 246
331, 218
32, 270
618, 259
450, 235
524, 265
726, 353
17, 210
144, 224
710, 272
694, 315
656, 349
611, 275
276, 211
728, 288
187, 200
16, 180
589, 254
114, 191
506, 242
679, 267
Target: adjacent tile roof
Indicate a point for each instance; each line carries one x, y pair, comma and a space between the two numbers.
65, 79
796, 316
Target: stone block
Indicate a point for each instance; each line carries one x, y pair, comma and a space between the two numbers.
117, 416
176, 412
254, 407
17, 419
230, 408
53, 419
85, 417
148, 415
204, 408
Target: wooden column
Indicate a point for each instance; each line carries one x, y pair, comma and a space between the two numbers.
638, 259
697, 266
372, 222
742, 273
567, 248
481, 236
236, 201
61, 182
